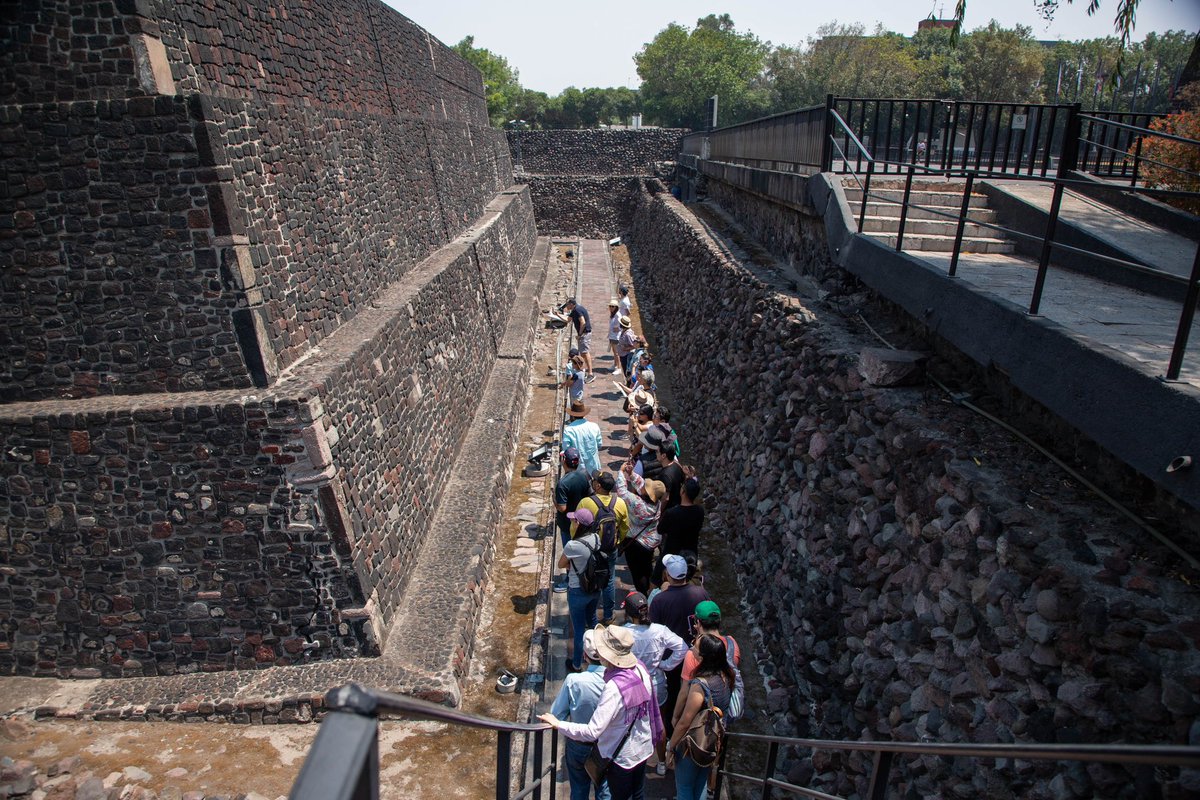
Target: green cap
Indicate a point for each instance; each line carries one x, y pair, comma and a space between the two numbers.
708, 612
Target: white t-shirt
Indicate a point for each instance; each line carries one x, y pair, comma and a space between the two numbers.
614, 326
624, 306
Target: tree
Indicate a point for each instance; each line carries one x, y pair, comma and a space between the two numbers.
681, 69
842, 60
1174, 165
1001, 64
500, 81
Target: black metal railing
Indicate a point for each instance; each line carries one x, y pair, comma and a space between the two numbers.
986, 138
884, 754
841, 131
1111, 143
343, 763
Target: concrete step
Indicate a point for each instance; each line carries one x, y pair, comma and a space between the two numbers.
949, 199
934, 227
893, 210
931, 243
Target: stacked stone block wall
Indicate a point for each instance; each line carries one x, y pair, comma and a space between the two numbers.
216, 530
914, 574
283, 239
106, 227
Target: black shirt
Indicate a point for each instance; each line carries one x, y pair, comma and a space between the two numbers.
672, 476
680, 529
579, 316
572, 487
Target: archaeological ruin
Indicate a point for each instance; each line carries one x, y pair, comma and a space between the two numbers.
270, 287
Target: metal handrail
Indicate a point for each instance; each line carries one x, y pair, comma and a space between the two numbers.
883, 752
846, 127
361, 700
1111, 123
343, 762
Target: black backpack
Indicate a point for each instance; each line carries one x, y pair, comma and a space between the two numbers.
596, 572
605, 523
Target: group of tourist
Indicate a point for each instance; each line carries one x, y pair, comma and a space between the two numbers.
639, 689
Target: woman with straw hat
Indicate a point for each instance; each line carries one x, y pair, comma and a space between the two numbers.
626, 723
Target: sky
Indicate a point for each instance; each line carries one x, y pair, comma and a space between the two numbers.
554, 44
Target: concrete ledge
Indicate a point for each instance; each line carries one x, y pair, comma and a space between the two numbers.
1016, 213
1156, 212
1105, 395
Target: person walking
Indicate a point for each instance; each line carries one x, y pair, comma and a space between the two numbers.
659, 649
582, 602
680, 526
627, 343
574, 379
582, 321
626, 723
644, 500
713, 684
673, 607
572, 486
625, 304
708, 620
584, 436
614, 332
576, 702
604, 504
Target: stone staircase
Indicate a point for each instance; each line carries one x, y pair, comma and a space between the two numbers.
923, 229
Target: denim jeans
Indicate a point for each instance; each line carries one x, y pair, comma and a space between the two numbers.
583, 617
691, 780
608, 595
627, 784
581, 783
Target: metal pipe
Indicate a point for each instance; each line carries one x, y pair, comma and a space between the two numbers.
904, 210
1185, 321
866, 190
880, 772
962, 222
1044, 261
503, 764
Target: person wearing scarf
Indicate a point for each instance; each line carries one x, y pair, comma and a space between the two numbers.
626, 724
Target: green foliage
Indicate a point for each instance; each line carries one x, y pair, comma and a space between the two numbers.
1001, 64
680, 69
500, 82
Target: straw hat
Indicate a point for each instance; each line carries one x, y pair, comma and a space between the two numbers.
615, 645
578, 409
655, 490
624, 321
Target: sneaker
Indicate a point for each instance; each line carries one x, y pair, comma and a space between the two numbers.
660, 768
560, 584
591, 377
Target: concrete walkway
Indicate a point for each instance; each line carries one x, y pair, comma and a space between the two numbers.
1136, 325
1154, 246
596, 287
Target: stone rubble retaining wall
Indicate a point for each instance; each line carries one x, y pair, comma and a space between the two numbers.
588, 207
583, 182
914, 574
595, 151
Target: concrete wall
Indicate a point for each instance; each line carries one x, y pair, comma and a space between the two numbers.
914, 574
258, 261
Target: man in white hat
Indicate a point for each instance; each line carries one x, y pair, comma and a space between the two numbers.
674, 607
576, 702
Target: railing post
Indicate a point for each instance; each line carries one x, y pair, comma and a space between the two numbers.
503, 764
904, 209
962, 222
827, 136
769, 770
879, 775
343, 762
1044, 261
538, 746
1068, 159
1137, 158
866, 190
1185, 320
